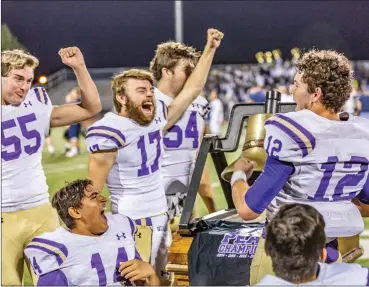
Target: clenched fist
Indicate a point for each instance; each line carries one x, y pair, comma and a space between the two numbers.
245, 165
72, 57
214, 38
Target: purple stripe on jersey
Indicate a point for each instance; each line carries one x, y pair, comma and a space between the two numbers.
332, 251
37, 95
57, 256
118, 132
137, 255
367, 276
363, 196
148, 221
291, 134
268, 184
165, 109
45, 96
60, 246
300, 128
54, 278
105, 136
132, 226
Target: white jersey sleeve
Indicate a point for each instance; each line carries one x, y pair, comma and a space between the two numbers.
287, 140
41, 95
46, 254
102, 136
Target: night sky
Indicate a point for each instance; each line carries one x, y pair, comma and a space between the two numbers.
125, 33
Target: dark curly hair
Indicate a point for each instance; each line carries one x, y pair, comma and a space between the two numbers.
330, 71
294, 240
70, 195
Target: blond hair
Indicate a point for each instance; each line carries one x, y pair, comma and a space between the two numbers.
167, 55
16, 59
118, 84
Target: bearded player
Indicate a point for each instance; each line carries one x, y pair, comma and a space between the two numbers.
316, 156
126, 149
27, 115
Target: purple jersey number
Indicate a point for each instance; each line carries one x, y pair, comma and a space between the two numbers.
97, 263
277, 147
16, 141
153, 137
348, 180
191, 132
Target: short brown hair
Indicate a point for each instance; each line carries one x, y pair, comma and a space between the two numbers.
295, 238
330, 71
167, 55
118, 83
70, 195
16, 59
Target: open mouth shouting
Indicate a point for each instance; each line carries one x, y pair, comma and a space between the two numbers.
147, 108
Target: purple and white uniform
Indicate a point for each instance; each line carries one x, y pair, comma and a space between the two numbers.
135, 181
181, 144
23, 130
62, 258
316, 161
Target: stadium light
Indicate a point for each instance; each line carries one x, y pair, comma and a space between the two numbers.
296, 53
259, 57
269, 57
42, 79
277, 54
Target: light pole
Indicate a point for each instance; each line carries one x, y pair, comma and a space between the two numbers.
178, 21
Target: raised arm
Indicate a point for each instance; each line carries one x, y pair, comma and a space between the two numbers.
196, 81
90, 101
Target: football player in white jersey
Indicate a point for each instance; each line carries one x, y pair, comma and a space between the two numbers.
295, 241
27, 115
316, 155
171, 66
92, 248
126, 149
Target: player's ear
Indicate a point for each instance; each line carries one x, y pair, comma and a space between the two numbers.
323, 255
165, 72
74, 212
317, 94
121, 99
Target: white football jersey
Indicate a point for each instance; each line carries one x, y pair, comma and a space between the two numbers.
181, 144
329, 275
330, 160
23, 130
84, 260
135, 180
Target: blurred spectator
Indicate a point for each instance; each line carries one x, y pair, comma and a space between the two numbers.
72, 132
363, 103
249, 83
216, 115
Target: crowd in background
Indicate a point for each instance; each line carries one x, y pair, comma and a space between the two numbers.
249, 83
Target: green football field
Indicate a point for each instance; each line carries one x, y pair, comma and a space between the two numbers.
60, 170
